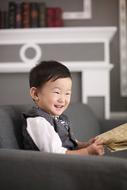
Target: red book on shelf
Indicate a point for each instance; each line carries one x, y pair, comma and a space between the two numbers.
50, 17
58, 23
54, 17
58, 13
50, 12
59, 19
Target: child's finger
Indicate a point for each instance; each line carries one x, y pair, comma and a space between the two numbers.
100, 150
99, 141
92, 140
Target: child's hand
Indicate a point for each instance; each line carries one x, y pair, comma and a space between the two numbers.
99, 141
85, 144
91, 149
95, 149
90, 141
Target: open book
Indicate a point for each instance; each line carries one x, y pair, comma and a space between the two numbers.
115, 139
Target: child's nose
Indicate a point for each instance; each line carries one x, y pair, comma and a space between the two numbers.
61, 99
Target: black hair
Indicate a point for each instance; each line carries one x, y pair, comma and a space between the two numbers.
47, 70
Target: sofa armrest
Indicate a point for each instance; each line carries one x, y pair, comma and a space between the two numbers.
106, 125
20, 170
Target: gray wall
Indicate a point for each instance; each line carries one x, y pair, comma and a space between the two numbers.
14, 87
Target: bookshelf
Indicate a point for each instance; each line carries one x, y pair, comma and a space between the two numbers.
16, 9
91, 72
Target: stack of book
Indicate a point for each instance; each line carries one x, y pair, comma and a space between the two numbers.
30, 15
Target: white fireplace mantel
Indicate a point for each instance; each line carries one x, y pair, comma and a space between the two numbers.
57, 35
95, 74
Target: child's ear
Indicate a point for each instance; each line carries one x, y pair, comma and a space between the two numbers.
34, 93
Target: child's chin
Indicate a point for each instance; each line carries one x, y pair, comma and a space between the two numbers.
58, 112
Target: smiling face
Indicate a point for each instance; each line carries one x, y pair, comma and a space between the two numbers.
54, 96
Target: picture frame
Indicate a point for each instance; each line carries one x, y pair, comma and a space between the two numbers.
123, 46
85, 14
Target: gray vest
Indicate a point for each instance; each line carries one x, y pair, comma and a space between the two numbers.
61, 125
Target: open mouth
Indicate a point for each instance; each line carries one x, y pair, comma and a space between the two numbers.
59, 106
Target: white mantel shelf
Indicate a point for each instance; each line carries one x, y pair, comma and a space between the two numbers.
95, 75
57, 35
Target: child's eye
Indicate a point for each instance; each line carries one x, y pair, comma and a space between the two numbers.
68, 94
56, 92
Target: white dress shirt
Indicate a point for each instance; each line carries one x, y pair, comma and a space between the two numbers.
44, 135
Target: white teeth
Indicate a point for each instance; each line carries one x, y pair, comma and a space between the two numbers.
58, 106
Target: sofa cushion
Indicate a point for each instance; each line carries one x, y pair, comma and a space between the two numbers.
84, 123
21, 170
11, 126
8, 135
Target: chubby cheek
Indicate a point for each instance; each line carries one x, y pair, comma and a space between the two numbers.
52, 99
67, 102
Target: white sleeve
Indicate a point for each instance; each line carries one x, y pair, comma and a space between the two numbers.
44, 135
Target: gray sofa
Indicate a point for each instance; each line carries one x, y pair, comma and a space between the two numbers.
84, 123
36, 170
27, 170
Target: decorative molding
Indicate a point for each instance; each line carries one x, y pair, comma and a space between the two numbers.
123, 46
30, 38
37, 56
85, 14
